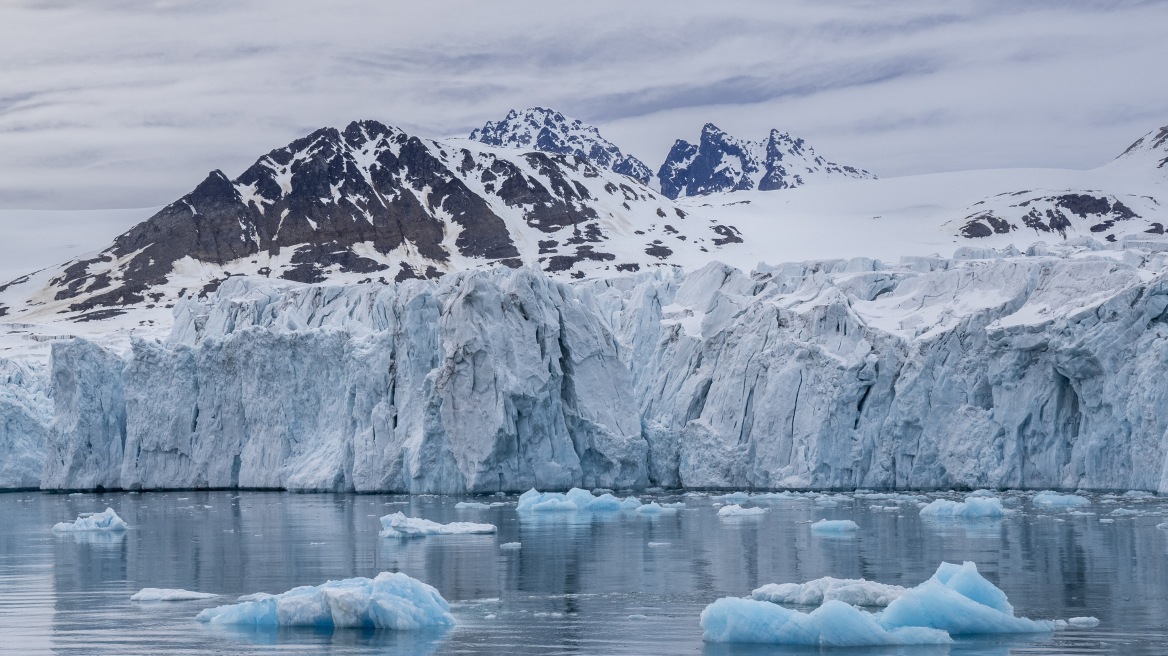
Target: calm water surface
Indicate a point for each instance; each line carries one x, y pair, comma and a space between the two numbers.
580, 584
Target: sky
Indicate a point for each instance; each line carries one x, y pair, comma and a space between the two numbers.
129, 103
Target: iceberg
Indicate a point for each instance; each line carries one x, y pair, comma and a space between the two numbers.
974, 507
398, 525
735, 510
169, 594
1053, 499
389, 601
107, 520
956, 600
855, 592
834, 624
835, 526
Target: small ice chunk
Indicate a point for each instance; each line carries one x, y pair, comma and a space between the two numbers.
1123, 512
1132, 494
654, 508
638, 617
390, 601
106, 520
511, 546
398, 525
169, 594
1085, 622
659, 544
471, 505
857, 592
972, 508
1106, 521
1162, 526
834, 624
575, 499
735, 510
1053, 499
733, 496
835, 526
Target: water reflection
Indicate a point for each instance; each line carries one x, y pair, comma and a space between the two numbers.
617, 583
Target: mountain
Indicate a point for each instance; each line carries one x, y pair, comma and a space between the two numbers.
720, 163
373, 203
549, 131
1122, 199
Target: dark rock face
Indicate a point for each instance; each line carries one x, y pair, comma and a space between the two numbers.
721, 163
1050, 214
549, 131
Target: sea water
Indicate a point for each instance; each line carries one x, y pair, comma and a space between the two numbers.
579, 583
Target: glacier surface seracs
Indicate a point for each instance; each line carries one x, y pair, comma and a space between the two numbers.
992, 370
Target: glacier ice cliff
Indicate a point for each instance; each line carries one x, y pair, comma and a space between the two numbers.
25, 412
991, 369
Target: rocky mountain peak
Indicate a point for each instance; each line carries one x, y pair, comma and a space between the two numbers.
549, 131
720, 162
1151, 148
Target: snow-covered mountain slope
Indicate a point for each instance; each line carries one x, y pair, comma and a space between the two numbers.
983, 371
549, 131
720, 163
374, 203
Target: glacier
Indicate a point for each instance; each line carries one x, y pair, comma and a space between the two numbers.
992, 369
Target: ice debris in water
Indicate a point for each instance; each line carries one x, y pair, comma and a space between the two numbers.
856, 592
654, 508
1084, 622
511, 546
575, 499
957, 600
106, 520
736, 510
398, 525
1057, 499
835, 526
169, 594
478, 505
390, 601
974, 507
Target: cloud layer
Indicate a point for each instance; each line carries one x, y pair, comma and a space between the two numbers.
128, 103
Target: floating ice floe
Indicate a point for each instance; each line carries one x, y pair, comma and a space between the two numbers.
654, 508
169, 594
398, 525
736, 510
856, 592
390, 601
478, 505
575, 499
956, 600
1059, 500
972, 508
511, 546
106, 520
1084, 622
835, 526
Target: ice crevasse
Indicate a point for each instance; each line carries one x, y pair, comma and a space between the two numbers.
1003, 371
956, 600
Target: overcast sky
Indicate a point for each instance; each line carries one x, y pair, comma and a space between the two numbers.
129, 103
